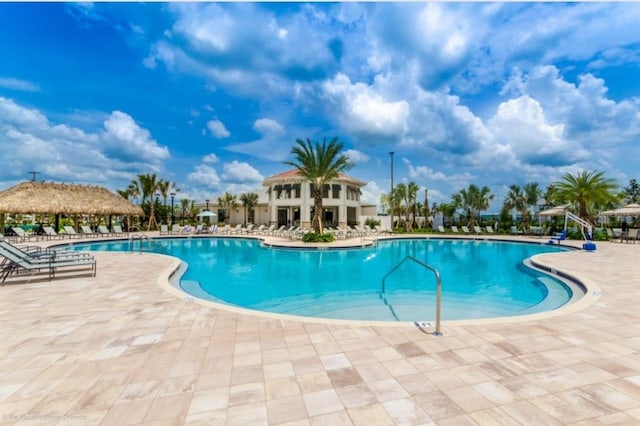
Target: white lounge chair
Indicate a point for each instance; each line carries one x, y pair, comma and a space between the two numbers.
71, 232
465, 229
441, 229
117, 230
490, 229
477, 229
164, 229
175, 229
50, 233
15, 260
454, 229
86, 231
186, 230
103, 231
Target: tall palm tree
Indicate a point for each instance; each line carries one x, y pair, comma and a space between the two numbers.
249, 200
185, 205
516, 199
228, 202
134, 189
319, 163
148, 184
586, 192
398, 198
124, 193
473, 200
532, 193
412, 196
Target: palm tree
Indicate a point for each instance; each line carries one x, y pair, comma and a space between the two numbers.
124, 193
319, 163
185, 205
249, 200
134, 189
148, 184
411, 198
398, 197
228, 202
473, 200
516, 199
586, 192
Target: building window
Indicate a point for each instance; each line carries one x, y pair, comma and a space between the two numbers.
335, 191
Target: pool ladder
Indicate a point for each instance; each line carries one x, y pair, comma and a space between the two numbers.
141, 237
437, 332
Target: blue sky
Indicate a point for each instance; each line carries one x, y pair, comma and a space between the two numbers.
212, 96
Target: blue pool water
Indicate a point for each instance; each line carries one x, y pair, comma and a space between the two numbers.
480, 279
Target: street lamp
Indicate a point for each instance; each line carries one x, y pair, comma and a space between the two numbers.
207, 201
173, 216
391, 193
183, 211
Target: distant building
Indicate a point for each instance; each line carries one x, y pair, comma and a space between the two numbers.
286, 199
291, 200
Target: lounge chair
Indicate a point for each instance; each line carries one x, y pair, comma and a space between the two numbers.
259, 230
514, 230
175, 229
248, 229
71, 232
186, 230
16, 260
199, 228
477, 229
117, 230
21, 234
633, 235
103, 231
237, 229
164, 230
454, 229
50, 233
86, 230
490, 229
465, 229
441, 229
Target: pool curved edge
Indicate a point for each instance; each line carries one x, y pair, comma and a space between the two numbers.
169, 280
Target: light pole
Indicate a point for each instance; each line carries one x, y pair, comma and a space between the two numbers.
391, 202
207, 201
173, 217
183, 211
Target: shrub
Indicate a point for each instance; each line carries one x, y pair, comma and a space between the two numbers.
371, 222
314, 237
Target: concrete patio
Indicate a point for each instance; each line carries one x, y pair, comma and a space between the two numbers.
124, 348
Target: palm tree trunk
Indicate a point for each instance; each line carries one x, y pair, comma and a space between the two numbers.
317, 214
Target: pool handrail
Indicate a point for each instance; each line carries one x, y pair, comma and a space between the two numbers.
437, 332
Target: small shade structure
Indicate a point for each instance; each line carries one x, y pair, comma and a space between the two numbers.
628, 210
206, 213
60, 198
554, 211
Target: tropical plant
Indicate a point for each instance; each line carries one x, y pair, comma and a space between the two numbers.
473, 200
631, 193
228, 202
586, 192
410, 204
249, 200
522, 199
147, 185
319, 163
398, 196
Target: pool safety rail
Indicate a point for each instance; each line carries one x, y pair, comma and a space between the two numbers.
139, 237
437, 332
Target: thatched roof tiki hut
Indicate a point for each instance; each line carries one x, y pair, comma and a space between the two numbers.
60, 198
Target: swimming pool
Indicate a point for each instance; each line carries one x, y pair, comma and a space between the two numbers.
480, 279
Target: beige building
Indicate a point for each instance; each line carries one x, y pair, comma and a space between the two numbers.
286, 199
291, 200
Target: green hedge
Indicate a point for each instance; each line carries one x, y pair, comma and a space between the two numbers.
314, 237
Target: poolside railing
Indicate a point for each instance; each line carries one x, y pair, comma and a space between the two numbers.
437, 332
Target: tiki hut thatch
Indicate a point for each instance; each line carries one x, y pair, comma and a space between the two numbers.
69, 199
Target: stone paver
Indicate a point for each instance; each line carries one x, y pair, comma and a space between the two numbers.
125, 348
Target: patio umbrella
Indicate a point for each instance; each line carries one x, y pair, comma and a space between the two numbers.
554, 211
206, 213
628, 210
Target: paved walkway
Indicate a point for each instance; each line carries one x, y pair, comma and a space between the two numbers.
122, 348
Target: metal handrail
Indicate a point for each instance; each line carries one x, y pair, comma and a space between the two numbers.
438, 286
140, 237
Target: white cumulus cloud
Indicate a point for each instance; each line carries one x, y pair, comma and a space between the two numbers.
356, 156
205, 176
240, 172
217, 129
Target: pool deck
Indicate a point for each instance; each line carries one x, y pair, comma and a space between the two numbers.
124, 348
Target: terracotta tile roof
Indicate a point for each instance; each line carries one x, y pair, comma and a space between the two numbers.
295, 175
